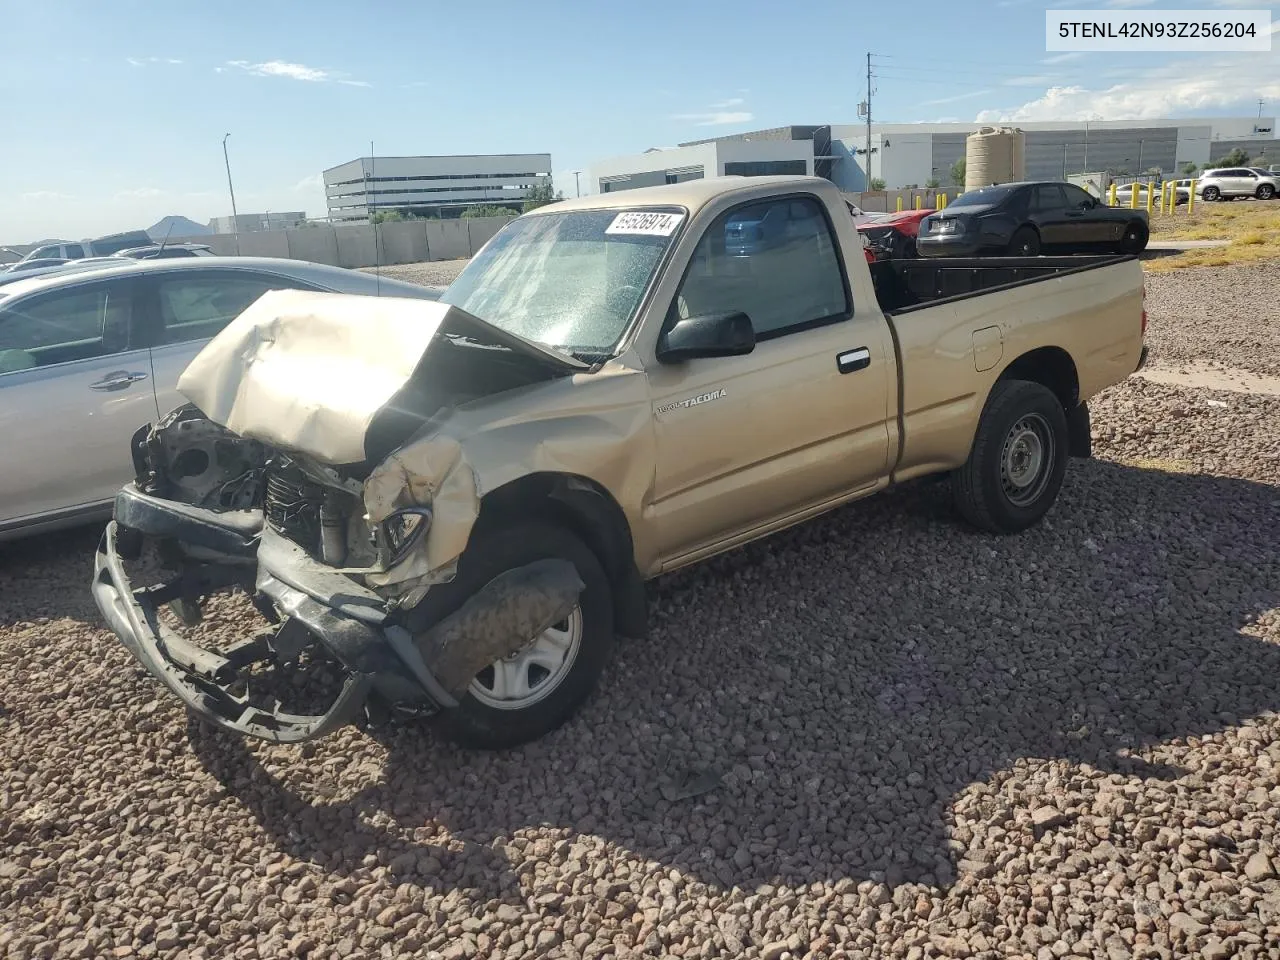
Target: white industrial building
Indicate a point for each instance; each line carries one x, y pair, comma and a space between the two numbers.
432, 186
258, 222
713, 158
912, 154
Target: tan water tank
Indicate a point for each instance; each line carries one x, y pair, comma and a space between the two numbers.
994, 155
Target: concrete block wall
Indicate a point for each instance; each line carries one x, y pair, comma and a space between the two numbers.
355, 245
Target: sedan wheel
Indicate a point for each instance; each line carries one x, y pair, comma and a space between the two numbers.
1025, 243
1135, 238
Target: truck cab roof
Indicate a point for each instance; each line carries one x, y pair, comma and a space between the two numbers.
691, 194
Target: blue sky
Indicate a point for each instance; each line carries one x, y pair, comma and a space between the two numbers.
114, 112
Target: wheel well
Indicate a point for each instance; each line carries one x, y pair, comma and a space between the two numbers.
589, 511
1051, 367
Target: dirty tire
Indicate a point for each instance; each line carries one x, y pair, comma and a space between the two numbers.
1025, 242
1266, 191
476, 724
1211, 194
982, 489
1135, 237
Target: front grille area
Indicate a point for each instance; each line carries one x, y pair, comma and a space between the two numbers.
293, 506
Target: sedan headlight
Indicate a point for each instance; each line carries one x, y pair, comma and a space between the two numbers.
397, 535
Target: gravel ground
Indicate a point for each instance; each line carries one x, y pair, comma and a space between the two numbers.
879, 734
1230, 315
440, 272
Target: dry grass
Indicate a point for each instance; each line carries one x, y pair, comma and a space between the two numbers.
1253, 227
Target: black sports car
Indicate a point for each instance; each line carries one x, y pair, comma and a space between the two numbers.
1024, 219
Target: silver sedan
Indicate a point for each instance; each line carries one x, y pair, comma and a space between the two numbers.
88, 356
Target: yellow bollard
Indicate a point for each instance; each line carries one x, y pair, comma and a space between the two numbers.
942, 201
919, 202
1151, 199
1191, 199
1133, 196
899, 203
1111, 196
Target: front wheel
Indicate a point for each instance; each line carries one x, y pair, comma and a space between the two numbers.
1134, 239
1018, 460
1211, 194
537, 688
1266, 191
1025, 243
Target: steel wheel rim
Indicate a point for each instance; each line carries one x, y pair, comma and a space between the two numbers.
531, 674
1026, 460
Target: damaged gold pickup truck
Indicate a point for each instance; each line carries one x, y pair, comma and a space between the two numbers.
450, 507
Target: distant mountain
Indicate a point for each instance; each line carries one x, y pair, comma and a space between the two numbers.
181, 227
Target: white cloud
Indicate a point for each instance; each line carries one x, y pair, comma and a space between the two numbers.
1063, 57
955, 99
46, 195
718, 114
1177, 88
313, 182
715, 118
292, 71
143, 61
1028, 81
138, 193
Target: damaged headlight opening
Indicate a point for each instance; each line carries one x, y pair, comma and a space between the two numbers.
395, 536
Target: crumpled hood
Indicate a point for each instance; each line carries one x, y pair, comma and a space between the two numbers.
308, 371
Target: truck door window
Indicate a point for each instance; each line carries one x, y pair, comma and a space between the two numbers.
74, 251
776, 261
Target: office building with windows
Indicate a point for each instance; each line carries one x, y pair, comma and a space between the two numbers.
712, 158
913, 154
258, 222
441, 187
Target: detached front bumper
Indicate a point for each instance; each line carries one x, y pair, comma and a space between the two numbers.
314, 604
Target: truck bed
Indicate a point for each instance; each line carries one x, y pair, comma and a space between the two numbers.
905, 285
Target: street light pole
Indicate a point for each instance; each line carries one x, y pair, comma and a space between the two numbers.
577, 188
235, 218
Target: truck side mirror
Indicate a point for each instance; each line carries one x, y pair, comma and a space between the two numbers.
727, 334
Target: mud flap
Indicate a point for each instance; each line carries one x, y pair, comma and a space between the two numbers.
504, 616
1079, 432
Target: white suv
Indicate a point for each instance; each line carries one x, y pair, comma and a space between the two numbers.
1227, 182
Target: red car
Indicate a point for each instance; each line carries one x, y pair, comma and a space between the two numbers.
894, 237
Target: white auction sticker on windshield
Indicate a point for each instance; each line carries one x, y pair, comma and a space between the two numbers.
645, 224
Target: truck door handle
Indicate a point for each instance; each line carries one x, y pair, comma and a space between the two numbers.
852, 360
118, 380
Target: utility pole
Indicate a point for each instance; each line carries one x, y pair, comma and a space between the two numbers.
235, 218
577, 188
1140, 142
1260, 104
868, 176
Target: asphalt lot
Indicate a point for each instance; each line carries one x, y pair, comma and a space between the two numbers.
878, 734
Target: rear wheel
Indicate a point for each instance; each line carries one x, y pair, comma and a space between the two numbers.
1024, 243
1135, 237
537, 688
1266, 191
1018, 460
1212, 193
